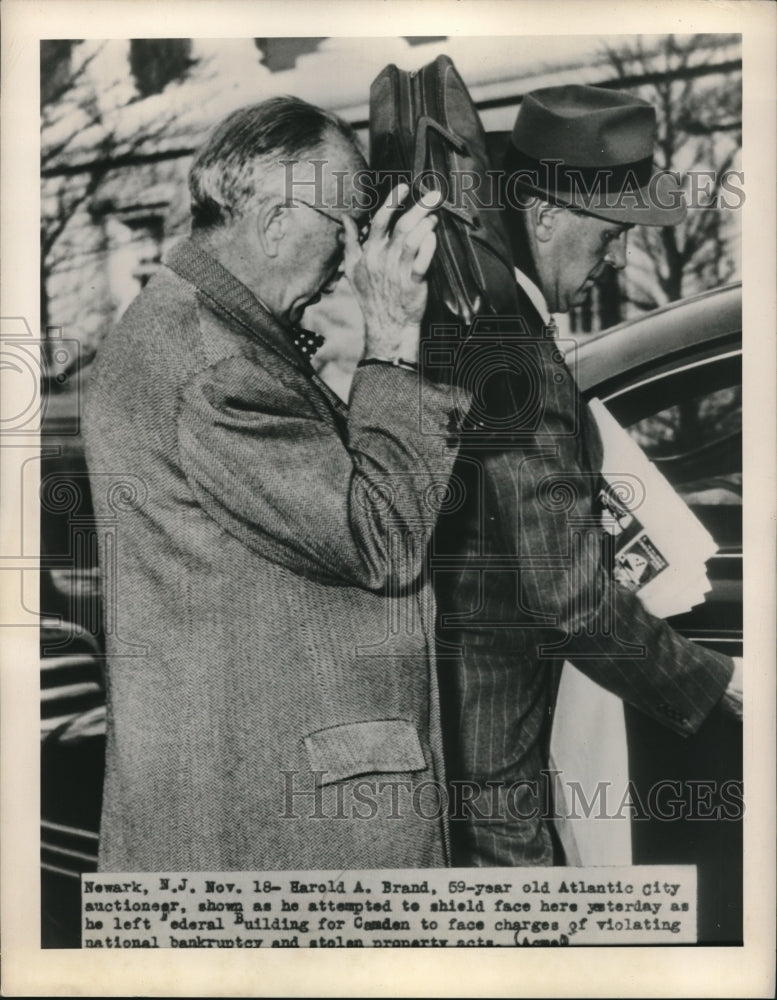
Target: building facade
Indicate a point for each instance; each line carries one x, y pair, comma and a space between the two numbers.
122, 118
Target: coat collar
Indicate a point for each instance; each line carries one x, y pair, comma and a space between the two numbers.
227, 294
535, 296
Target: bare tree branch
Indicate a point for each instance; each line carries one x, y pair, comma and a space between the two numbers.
698, 102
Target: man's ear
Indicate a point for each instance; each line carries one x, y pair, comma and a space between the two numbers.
545, 218
271, 222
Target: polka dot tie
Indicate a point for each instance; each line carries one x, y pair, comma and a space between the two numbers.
307, 342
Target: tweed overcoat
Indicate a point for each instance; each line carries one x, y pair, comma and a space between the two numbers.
271, 691
523, 583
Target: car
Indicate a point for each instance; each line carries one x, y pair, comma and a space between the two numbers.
673, 378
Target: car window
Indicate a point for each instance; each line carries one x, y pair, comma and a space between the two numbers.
689, 422
695, 443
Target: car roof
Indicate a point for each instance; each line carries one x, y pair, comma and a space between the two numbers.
679, 328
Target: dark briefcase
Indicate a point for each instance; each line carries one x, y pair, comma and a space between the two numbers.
424, 128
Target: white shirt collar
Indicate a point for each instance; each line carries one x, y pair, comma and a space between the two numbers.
536, 297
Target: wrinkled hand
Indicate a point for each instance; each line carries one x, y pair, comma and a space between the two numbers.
388, 274
732, 697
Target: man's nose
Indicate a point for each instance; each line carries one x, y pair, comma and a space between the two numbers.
616, 252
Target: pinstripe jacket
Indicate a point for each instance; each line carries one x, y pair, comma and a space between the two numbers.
270, 638
522, 583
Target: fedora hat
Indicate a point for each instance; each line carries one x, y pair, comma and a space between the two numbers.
590, 149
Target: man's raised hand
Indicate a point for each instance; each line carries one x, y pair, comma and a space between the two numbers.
388, 274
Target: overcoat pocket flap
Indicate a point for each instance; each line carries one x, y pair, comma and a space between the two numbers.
379, 745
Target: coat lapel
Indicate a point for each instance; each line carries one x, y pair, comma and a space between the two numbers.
229, 297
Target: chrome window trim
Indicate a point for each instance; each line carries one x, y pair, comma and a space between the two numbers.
671, 373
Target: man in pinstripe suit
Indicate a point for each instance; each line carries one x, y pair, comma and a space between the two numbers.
521, 575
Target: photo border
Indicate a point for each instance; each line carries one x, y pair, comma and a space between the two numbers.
653, 971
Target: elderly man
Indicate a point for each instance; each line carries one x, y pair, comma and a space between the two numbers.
527, 590
270, 680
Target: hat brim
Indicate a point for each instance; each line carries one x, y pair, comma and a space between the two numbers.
660, 204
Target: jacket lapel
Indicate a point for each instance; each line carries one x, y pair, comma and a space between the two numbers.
228, 296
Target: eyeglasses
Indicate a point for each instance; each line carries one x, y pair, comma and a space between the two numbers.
364, 230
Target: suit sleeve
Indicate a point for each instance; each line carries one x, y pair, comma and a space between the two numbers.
353, 505
601, 626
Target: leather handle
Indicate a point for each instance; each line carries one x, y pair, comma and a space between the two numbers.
423, 126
